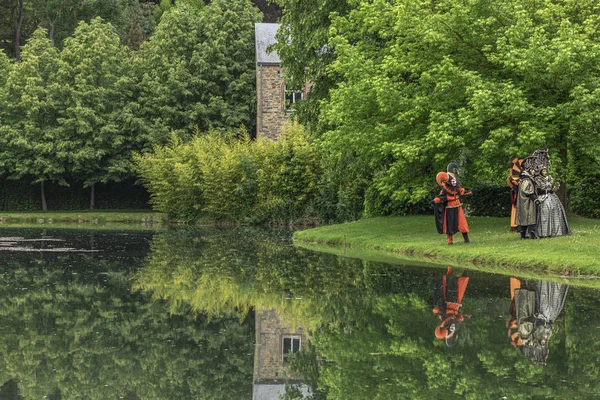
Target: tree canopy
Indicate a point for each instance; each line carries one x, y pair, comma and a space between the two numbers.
420, 84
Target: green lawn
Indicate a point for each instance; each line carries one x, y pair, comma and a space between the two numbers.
89, 219
493, 247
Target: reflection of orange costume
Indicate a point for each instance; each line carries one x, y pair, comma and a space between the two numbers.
448, 299
511, 322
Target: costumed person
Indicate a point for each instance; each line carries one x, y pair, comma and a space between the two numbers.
447, 297
449, 215
551, 218
535, 306
526, 203
513, 183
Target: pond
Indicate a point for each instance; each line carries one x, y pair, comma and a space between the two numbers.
242, 314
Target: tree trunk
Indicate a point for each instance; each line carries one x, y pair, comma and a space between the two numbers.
51, 32
18, 20
92, 196
44, 206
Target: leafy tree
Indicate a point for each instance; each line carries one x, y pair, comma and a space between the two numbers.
94, 80
32, 145
198, 69
420, 84
58, 16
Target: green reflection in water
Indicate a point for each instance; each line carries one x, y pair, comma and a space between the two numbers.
370, 324
72, 328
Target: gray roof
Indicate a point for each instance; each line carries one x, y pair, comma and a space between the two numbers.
265, 36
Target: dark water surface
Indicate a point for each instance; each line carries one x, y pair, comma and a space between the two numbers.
242, 314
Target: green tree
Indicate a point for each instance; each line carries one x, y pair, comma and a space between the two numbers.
198, 69
421, 84
30, 136
94, 80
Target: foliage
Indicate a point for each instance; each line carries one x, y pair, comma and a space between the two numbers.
30, 136
418, 85
93, 78
288, 176
488, 201
172, 175
197, 70
233, 178
306, 52
19, 195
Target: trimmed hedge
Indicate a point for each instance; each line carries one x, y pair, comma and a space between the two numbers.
488, 201
584, 199
22, 196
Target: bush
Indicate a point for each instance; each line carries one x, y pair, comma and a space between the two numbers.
20, 195
171, 175
583, 196
489, 201
232, 178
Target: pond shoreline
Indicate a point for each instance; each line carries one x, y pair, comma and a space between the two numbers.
494, 248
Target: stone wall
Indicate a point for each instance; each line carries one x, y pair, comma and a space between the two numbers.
270, 114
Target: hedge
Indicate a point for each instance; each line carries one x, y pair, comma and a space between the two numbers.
21, 195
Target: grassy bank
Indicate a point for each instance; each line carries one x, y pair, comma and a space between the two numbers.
91, 218
493, 246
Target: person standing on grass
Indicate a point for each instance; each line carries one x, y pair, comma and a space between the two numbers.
527, 204
449, 215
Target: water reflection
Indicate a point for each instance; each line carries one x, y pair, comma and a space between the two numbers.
448, 297
276, 345
534, 309
72, 328
241, 313
368, 324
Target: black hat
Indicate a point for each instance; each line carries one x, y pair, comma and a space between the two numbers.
452, 168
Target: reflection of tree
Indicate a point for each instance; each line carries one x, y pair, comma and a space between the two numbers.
371, 326
72, 328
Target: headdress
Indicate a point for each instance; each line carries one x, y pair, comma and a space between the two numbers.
441, 178
452, 169
537, 161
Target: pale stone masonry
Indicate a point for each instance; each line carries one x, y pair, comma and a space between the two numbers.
271, 111
271, 114
268, 355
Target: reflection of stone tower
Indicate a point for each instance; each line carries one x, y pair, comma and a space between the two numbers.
275, 343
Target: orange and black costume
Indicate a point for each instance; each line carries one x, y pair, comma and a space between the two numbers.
449, 215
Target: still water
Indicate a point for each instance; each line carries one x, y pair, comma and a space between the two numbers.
242, 314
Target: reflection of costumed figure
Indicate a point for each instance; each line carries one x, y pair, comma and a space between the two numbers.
551, 218
535, 306
447, 297
449, 215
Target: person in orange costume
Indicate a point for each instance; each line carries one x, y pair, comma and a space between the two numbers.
450, 217
513, 183
448, 296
